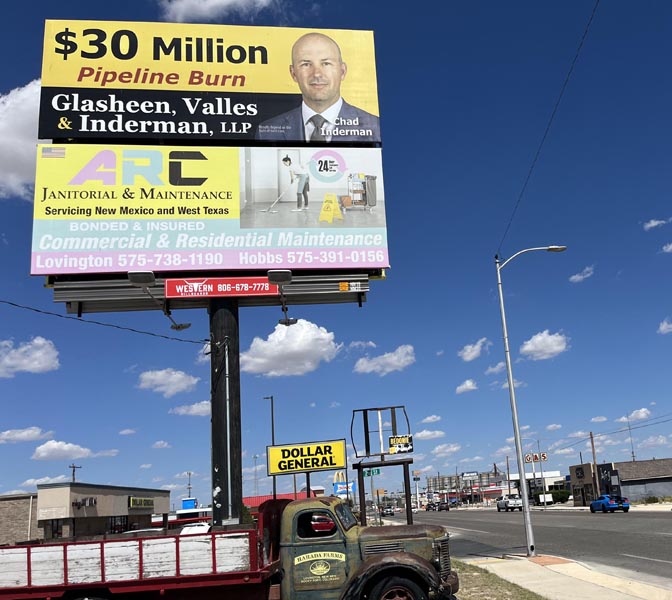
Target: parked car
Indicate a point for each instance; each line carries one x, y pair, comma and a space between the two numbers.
388, 511
509, 502
607, 503
443, 506
430, 506
322, 523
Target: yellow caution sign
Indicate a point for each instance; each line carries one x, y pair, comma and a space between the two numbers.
304, 458
330, 209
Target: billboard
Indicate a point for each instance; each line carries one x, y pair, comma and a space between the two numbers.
305, 458
124, 80
117, 208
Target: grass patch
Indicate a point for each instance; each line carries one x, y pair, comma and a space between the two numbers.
479, 584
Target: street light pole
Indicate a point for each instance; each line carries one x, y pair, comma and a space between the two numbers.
529, 534
272, 438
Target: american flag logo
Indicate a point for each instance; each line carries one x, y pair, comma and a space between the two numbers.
53, 152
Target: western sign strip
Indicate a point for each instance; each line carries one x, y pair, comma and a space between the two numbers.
212, 287
161, 80
114, 209
305, 458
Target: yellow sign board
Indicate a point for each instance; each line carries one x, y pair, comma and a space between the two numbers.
304, 458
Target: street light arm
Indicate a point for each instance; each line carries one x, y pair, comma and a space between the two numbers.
546, 248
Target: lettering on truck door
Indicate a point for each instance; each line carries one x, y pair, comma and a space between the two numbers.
318, 556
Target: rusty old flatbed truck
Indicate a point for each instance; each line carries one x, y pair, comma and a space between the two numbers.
290, 555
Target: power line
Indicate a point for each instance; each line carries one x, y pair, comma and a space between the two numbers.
100, 323
646, 423
548, 126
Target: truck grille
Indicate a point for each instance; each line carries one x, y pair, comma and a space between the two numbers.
383, 548
441, 555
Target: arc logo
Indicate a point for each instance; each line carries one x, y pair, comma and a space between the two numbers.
127, 166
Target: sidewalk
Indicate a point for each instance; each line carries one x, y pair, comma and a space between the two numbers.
557, 578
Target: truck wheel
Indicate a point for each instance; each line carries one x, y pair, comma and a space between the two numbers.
397, 588
499, 509
520, 508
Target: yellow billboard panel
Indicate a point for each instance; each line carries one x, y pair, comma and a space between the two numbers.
110, 79
305, 458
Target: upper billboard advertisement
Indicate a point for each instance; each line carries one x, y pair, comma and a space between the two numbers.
120, 208
124, 80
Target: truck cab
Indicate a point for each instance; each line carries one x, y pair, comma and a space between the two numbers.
347, 561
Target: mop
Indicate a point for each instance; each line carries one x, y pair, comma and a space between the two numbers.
270, 208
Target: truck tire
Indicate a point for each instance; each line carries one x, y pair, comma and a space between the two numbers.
520, 508
397, 588
499, 509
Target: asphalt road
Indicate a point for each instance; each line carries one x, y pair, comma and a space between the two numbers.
633, 545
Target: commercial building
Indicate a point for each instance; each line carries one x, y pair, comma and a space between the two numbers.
62, 510
637, 480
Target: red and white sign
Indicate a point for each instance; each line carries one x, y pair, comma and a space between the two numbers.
212, 287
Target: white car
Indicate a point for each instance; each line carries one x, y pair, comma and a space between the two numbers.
509, 502
191, 528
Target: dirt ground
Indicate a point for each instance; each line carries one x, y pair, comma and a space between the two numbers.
479, 584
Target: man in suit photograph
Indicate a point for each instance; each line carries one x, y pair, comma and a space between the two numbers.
324, 116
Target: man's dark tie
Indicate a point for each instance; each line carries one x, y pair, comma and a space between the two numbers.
318, 122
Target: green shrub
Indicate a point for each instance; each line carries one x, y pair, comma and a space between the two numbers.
651, 500
560, 495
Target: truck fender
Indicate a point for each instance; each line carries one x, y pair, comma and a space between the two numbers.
398, 564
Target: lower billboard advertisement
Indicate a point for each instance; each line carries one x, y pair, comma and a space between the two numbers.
113, 209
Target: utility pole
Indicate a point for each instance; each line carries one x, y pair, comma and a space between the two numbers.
256, 479
275, 489
73, 466
541, 467
508, 473
632, 447
595, 481
189, 484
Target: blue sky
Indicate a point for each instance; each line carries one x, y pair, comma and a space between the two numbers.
466, 91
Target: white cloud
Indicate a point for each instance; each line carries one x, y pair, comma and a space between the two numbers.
198, 11
334, 405
440, 352
473, 351
466, 386
146, 466
565, 452
39, 355
665, 326
635, 415
431, 419
402, 357
55, 450
654, 441
29, 434
446, 449
578, 434
516, 384
598, 419
200, 409
127, 432
653, 223
667, 248
161, 444
553, 427
583, 275
361, 345
167, 382
503, 450
425, 434
203, 356
471, 460
18, 136
544, 345
43, 480
498, 368
294, 350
